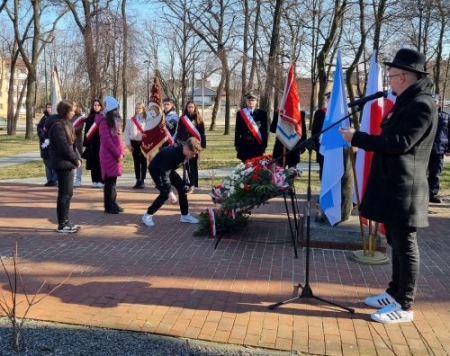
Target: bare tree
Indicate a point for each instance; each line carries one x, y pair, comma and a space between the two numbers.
30, 59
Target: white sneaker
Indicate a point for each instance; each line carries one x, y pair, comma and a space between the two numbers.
380, 300
188, 219
393, 314
100, 185
147, 219
94, 184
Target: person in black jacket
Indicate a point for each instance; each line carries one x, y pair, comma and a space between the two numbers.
91, 143
42, 132
64, 158
292, 157
252, 130
317, 126
162, 169
397, 191
440, 147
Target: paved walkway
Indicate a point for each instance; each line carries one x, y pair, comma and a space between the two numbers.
164, 280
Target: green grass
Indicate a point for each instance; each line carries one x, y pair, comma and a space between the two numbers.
13, 145
219, 153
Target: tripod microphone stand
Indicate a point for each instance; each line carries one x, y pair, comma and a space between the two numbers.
306, 288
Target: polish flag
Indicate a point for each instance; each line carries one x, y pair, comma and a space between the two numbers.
372, 116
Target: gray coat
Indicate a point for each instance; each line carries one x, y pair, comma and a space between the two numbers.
397, 188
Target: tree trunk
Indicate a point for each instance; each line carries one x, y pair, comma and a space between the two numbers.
268, 89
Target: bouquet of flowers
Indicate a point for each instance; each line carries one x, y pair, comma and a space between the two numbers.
250, 184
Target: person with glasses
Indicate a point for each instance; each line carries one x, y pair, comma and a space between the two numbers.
397, 188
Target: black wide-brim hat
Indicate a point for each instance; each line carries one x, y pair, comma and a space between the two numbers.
409, 60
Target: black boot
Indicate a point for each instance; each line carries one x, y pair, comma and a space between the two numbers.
141, 184
137, 185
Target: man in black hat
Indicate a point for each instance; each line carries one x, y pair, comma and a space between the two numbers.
441, 147
252, 130
397, 188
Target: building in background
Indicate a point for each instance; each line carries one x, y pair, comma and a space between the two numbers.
20, 79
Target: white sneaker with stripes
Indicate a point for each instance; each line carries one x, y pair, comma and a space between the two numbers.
380, 300
393, 314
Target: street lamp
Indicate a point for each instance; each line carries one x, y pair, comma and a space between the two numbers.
148, 80
420, 25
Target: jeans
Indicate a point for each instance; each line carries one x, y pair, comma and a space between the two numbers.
178, 183
49, 172
405, 264
65, 192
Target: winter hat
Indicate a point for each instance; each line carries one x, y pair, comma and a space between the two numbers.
110, 103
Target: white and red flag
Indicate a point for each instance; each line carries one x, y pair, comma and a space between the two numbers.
372, 116
289, 127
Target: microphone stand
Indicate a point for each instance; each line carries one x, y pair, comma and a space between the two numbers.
306, 288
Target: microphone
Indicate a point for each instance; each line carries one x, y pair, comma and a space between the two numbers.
362, 101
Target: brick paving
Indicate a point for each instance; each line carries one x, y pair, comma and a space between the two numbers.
164, 280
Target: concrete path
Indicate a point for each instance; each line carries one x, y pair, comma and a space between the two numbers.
165, 280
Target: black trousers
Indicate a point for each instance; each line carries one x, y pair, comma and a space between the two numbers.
140, 162
65, 193
110, 193
435, 166
177, 182
405, 263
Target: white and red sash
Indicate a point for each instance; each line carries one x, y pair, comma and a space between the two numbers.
251, 124
137, 124
191, 128
77, 122
170, 138
91, 131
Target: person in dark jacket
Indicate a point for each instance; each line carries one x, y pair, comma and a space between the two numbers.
440, 148
397, 188
42, 132
191, 124
91, 143
316, 128
289, 158
162, 169
252, 130
64, 158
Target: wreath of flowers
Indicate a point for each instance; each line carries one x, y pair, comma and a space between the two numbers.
250, 184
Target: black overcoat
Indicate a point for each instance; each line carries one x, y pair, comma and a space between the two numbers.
397, 188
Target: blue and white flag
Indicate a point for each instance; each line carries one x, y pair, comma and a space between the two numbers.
331, 147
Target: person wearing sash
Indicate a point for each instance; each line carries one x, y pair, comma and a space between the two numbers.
91, 143
133, 138
78, 122
191, 124
252, 130
162, 169
112, 151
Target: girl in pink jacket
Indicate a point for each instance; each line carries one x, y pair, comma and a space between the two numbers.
112, 151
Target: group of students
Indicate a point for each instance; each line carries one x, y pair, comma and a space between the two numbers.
63, 147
